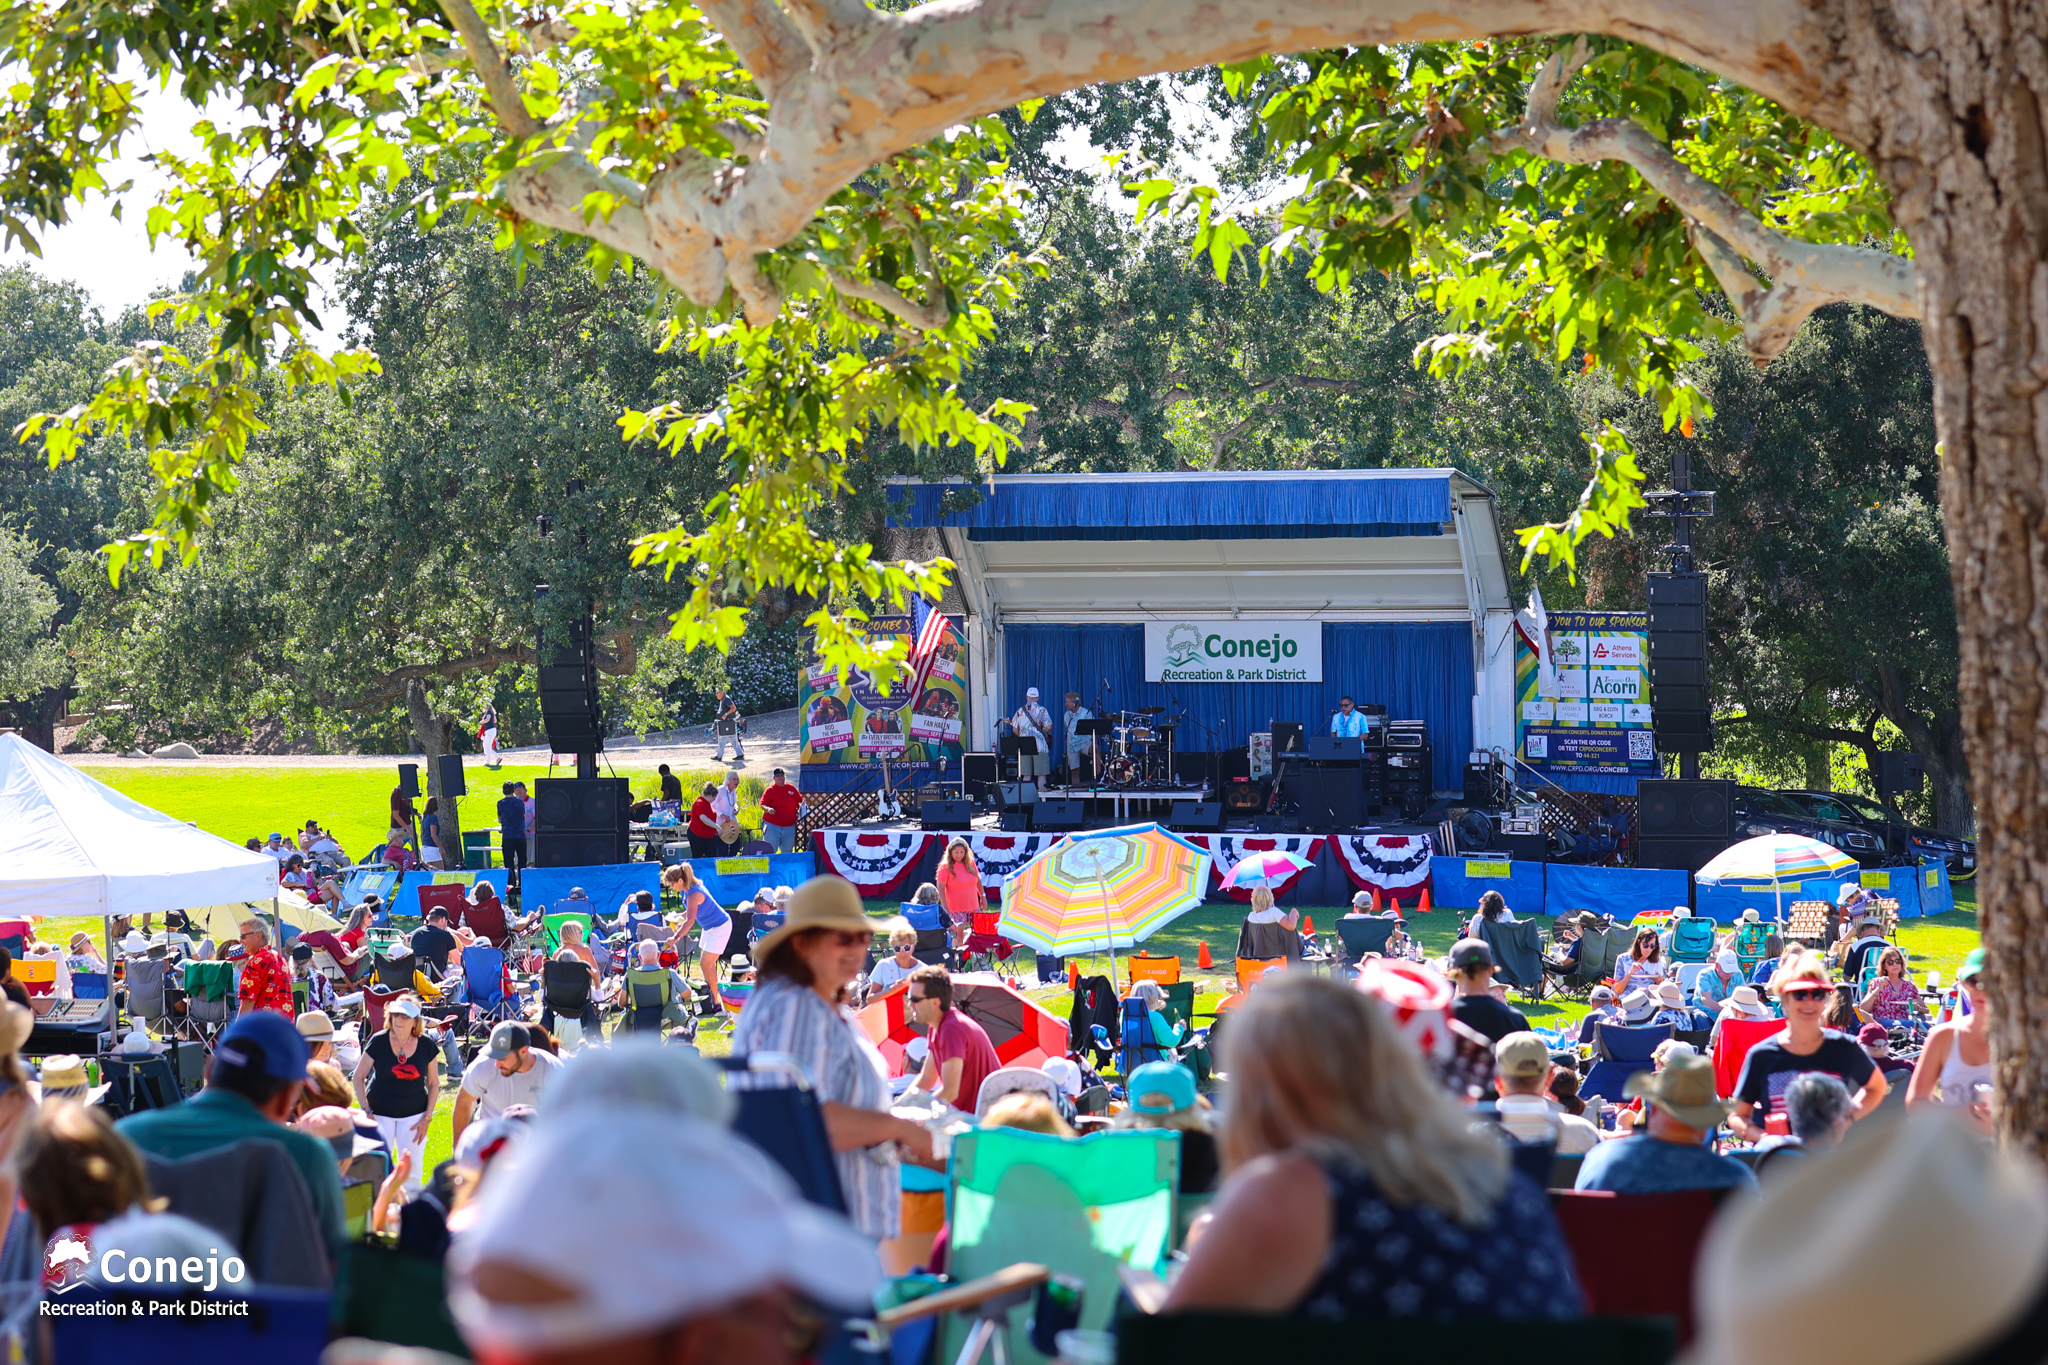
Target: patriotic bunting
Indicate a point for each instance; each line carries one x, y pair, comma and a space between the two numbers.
998, 855
1397, 863
876, 863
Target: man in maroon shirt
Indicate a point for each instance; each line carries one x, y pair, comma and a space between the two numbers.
961, 1056
780, 806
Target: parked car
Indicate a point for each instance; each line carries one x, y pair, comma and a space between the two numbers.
1902, 840
1766, 812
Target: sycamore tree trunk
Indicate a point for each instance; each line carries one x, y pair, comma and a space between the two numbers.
435, 731
1963, 141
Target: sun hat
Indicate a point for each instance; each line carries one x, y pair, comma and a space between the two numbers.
1750, 916
1681, 912
1848, 891
63, 1076
1014, 1080
1827, 1232
404, 1005
1744, 1003
316, 1026
821, 903
1684, 1089
78, 934
1065, 1074
1973, 964
270, 1038
1727, 961
1521, 1054
134, 942
714, 1222
1873, 1033
1416, 998
1168, 1080
1669, 994
1638, 1005
1030, 691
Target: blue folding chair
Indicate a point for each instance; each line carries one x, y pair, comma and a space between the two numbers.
1138, 1044
934, 942
89, 985
1622, 1052
483, 977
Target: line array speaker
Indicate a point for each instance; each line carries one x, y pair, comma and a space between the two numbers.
1681, 702
568, 693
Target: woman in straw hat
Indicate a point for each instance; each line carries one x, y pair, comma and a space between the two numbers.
1338, 1142
1803, 992
799, 1006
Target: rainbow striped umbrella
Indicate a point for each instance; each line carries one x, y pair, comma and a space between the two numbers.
1267, 869
1106, 889
1777, 859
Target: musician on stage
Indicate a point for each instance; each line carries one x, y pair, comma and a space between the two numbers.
1078, 761
1032, 721
1349, 722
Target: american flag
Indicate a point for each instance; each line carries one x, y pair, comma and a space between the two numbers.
932, 630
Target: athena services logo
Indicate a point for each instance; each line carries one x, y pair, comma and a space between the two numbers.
72, 1260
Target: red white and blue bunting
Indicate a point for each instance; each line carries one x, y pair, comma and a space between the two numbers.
876, 863
1395, 864
998, 855
1228, 850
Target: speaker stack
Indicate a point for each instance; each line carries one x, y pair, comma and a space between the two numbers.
580, 821
1410, 765
568, 694
1682, 824
1682, 710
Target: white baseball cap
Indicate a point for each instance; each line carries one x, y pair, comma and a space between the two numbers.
1726, 960
1030, 691
713, 1221
1065, 1074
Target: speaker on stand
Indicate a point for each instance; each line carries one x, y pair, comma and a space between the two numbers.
580, 821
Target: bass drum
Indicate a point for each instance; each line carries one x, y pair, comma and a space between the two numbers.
1120, 771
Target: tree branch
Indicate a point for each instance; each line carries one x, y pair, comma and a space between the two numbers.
764, 38
499, 88
1804, 274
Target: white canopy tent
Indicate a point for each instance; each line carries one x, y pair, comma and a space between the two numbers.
70, 845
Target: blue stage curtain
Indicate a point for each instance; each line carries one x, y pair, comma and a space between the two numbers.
1420, 503
1418, 670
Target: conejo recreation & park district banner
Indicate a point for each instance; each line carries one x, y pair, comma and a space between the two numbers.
846, 719
1233, 651
1582, 695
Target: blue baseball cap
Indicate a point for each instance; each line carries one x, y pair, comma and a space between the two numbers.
277, 1041
1153, 1080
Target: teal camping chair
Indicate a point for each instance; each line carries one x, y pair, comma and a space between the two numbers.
1078, 1206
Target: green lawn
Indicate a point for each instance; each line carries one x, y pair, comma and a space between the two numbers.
241, 803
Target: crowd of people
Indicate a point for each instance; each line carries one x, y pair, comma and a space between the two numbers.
1364, 1151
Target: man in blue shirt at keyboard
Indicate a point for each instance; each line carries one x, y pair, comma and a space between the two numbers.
1349, 722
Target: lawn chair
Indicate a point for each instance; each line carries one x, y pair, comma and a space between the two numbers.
209, 995
551, 925
1517, 953
1230, 1338
1137, 1045
486, 920
1752, 945
1621, 1053
934, 934
149, 991
137, 1084
1249, 970
483, 980
1362, 936
778, 1112
14, 937
37, 975
565, 993
396, 1297
648, 993
1738, 1036
1083, 1207
392, 973
1692, 939
253, 1194
445, 896
1164, 970
1635, 1253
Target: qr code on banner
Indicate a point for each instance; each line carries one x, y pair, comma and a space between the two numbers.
1536, 746
1642, 745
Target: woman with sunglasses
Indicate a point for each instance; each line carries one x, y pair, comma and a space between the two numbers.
1957, 1057
1803, 990
800, 1006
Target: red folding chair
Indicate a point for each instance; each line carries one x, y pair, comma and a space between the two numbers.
448, 897
1635, 1253
1738, 1036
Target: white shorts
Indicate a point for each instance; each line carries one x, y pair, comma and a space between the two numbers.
713, 941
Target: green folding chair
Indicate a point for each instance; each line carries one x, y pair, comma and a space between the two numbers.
552, 927
1079, 1206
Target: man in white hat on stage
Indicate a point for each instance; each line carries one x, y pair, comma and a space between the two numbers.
1033, 721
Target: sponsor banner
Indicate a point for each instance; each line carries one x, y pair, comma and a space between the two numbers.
1233, 651
1591, 713
851, 719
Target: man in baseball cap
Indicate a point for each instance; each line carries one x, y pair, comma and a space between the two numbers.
1522, 1069
508, 1072
252, 1086
718, 1259
1476, 1008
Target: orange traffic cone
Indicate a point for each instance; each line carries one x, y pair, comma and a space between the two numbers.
1422, 906
1308, 924
1203, 962
1375, 900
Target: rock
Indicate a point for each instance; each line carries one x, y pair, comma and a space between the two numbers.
179, 750
135, 753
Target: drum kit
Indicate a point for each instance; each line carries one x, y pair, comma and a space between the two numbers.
1141, 749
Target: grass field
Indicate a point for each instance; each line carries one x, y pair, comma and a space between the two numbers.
237, 803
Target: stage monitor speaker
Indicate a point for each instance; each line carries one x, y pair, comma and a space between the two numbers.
451, 775
1287, 737
1244, 795
1672, 808
1327, 799
1059, 815
1523, 848
1197, 817
1015, 820
580, 821
953, 813
409, 780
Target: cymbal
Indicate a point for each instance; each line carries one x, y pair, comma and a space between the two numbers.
1148, 710
1165, 724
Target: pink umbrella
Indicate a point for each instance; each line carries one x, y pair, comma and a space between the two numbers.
1268, 869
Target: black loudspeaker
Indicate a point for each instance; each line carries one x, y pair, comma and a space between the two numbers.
1680, 696
981, 772
1059, 815
1899, 773
1328, 798
188, 1059
409, 780
568, 693
1286, 737
1680, 823
451, 775
1232, 764
1197, 817
1523, 848
580, 821
1014, 820
1243, 796
953, 813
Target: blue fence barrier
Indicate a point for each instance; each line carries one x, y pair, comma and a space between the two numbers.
1623, 892
1457, 883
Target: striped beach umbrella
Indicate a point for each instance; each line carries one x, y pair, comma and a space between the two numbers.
1105, 889
1777, 859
